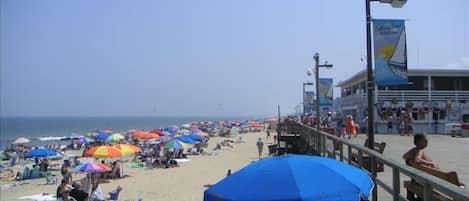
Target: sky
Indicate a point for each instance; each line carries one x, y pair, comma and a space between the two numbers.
199, 58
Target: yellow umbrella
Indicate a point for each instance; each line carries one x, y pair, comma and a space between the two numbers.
104, 152
127, 149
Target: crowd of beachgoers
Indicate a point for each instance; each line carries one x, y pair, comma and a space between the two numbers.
101, 155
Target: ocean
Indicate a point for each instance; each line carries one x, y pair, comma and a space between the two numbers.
36, 127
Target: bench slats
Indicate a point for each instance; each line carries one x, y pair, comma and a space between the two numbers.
416, 188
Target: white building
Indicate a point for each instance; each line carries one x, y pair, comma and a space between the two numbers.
435, 97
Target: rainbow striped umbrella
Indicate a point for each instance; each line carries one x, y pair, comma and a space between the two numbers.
91, 167
128, 148
177, 145
104, 152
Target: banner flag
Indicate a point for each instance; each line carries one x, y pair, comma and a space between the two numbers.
308, 102
390, 51
325, 92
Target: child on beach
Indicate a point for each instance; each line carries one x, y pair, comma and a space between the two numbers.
417, 155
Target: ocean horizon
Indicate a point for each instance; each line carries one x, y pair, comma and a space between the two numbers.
34, 127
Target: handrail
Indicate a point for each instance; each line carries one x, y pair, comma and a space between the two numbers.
428, 181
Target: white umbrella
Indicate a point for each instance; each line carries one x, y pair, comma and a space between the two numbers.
21, 140
152, 141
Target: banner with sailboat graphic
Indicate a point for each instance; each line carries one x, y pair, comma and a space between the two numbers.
308, 102
325, 92
390, 51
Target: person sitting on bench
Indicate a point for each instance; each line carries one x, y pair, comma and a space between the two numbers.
417, 155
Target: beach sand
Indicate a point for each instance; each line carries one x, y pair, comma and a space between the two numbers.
185, 183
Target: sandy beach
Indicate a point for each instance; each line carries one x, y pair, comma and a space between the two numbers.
186, 183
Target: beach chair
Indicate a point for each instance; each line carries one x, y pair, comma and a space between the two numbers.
25, 174
115, 194
35, 173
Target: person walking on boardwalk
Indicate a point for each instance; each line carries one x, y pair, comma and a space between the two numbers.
260, 146
390, 124
350, 127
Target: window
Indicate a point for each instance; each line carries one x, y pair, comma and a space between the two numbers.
418, 115
440, 115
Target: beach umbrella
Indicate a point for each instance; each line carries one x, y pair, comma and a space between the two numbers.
128, 148
83, 140
153, 141
177, 145
116, 137
172, 130
91, 167
186, 140
40, 153
196, 137
21, 140
101, 136
300, 177
104, 152
164, 138
145, 135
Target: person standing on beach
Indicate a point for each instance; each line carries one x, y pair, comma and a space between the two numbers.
260, 146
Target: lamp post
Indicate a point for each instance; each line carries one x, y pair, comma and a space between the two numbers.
317, 66
371, 84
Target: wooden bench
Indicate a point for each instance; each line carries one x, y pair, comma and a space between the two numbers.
272, 149
414, 188
379, 147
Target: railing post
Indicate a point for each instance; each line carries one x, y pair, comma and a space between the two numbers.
341, 151
396, 184
427, 192
360, 158
323, 145
372, 167
349, 154
333, 148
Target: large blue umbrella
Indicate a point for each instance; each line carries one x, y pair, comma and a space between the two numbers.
186, 140
196, 137
293, 177
102, 136
39, 153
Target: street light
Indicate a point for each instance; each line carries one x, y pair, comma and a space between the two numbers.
317, 66
371, 84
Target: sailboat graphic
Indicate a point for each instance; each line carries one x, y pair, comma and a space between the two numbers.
398, 62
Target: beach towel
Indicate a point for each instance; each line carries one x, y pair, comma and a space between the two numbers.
39, 197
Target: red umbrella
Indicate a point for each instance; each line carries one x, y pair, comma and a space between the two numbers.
145, 135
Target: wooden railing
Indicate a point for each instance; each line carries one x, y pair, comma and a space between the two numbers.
318, 140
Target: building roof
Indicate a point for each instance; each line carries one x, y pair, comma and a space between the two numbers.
361, 75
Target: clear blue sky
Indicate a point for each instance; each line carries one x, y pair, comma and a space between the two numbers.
207, 57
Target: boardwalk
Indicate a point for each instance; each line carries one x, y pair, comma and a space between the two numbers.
451, 154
